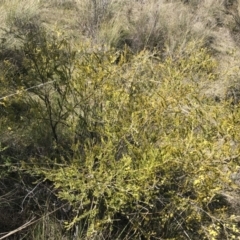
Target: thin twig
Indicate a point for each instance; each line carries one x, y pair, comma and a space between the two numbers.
31, 191
27, 89
29, 223
19, 229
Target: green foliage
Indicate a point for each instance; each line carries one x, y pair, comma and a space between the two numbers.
147, 151
125, 137
129, 141
46, 66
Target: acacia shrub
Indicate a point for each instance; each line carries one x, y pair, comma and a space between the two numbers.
163, 153
36, 98
146, 152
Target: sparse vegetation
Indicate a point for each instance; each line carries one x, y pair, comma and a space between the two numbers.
119, 119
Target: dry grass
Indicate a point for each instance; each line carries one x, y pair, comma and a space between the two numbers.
165, 25
18, 9
14, 14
